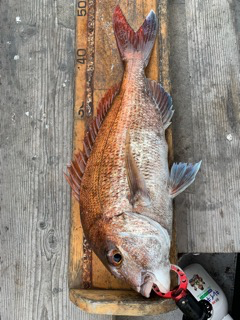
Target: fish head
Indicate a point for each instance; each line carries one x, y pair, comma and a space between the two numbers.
136, 249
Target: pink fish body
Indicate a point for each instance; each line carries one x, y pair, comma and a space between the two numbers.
121, 178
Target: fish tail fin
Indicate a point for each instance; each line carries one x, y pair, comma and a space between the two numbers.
181, 176
131, 44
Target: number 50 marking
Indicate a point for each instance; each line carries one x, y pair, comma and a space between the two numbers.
81, 8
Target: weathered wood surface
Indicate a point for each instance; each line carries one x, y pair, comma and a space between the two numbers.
98, 68
119, 302
37, 53
206, 95
36, 128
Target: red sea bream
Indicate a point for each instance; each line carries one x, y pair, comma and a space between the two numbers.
121, 178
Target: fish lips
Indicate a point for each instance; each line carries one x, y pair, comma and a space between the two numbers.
161, 279
146, 288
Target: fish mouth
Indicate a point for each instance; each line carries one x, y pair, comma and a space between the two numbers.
161, 280
146, 288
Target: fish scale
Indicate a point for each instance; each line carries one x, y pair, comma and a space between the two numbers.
139, 141
122, 179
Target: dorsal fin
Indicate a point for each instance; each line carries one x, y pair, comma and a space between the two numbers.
77, 167
163, 101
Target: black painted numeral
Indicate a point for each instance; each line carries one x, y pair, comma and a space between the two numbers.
81, 111
81, 56
81, 8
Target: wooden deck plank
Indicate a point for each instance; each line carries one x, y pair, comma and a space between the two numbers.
36, 126
208, 128
37, 53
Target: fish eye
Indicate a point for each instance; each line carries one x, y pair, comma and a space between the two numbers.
115, 257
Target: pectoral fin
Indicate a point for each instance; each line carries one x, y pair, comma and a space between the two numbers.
138, 191
181, 176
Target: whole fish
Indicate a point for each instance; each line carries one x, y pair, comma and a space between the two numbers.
121, 178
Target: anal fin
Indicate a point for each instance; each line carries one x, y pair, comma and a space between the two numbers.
181, 176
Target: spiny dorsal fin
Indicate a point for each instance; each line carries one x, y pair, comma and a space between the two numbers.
163, 101
181, 176
139, 196
77, 167
133, 44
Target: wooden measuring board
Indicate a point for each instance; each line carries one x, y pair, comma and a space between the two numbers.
98, 67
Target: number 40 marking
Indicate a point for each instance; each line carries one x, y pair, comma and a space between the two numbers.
81, 55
